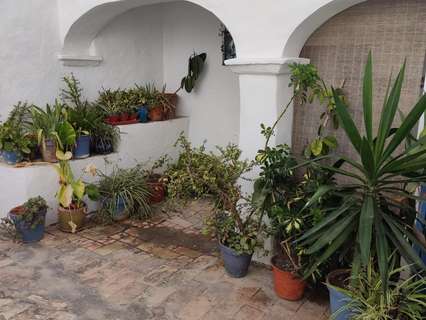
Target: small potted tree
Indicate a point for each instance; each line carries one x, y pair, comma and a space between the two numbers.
28, 219
72, 209
14, 144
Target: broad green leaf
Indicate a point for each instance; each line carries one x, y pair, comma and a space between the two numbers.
367, 94
322, 190
331, 142
332, 233
347, 122
78, 189
406, 127
367, 158
388, 115
63, 156
316, 147
65, 196
365, 228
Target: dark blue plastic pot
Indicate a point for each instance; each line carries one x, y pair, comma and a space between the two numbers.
236, 265
102, 146
29, 233
11, 157
143, 113
338, 300
82, 147
419, 225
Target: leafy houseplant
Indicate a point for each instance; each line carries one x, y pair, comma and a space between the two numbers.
405, 300
52, 130
124, 193
82, 115
15, 138
199, 174
72, 209
14, 144
368, 222
195, 68
28, 219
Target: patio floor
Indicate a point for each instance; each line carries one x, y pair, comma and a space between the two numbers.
159, 269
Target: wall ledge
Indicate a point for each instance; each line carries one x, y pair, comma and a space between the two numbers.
274, 66
79, 60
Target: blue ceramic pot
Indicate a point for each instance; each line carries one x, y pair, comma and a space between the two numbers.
338, 300
143, 114
28, 232
82, 147
12, 157
120, 213
236, 265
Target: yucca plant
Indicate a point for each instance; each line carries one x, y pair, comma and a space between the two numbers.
370, 222
405, 299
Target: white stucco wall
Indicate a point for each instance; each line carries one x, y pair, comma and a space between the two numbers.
29, 44
132, 49
213, 106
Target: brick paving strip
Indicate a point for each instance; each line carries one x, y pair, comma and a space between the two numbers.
161, 269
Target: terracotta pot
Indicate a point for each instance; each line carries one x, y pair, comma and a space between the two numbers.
173, 100
133, 116
76, 216
157, 192
287, 285
48, 150
124, 116
156, 113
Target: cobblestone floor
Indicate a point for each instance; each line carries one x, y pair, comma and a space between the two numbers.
159, 269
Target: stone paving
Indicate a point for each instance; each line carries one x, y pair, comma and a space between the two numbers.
161, 269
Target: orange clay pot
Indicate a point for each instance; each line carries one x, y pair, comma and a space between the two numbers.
287, 285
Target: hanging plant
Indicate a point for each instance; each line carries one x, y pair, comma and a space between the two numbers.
195, 68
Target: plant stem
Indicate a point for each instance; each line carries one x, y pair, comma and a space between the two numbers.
278, 120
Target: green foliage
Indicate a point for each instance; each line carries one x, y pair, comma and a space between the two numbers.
369, 220
197, 172
405, 300
195, 68
15, 132
128, 185
72, 190
85, 117
225, 227
53, 124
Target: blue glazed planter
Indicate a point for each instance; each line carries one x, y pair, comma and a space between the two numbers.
338, 300
82, 148
11, 157
120, 213
143, 114
29, 234
236, 265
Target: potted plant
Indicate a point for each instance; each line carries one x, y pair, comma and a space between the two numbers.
109, 101
201, 174
124, 193
53, 130
72, 209
28, 219
404, 300
367, 222
82, 115
105, 138
14, 144
156, 180
238, 236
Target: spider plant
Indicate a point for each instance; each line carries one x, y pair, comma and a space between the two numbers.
370, 221
127, 186
405, 299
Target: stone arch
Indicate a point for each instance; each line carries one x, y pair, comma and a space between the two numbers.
311, 22
78, 32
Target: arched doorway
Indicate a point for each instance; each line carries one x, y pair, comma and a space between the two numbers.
393, 30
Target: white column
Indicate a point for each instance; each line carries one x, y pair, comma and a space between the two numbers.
264, 92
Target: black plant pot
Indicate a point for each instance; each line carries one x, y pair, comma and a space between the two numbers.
102, 146
236, 265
